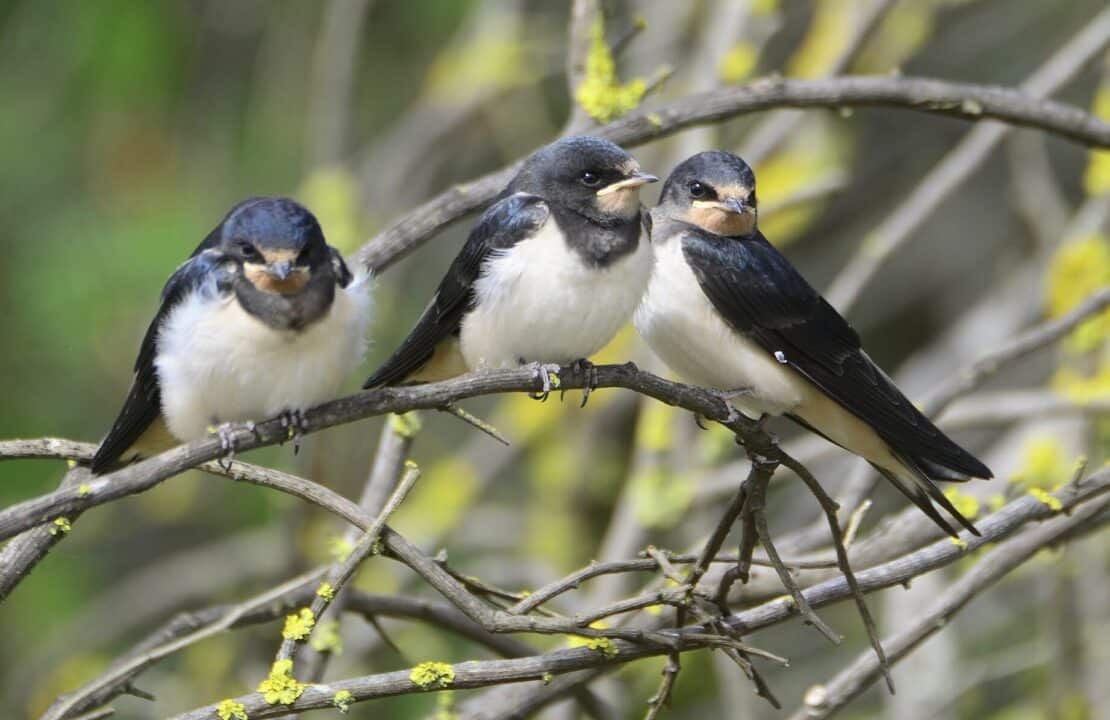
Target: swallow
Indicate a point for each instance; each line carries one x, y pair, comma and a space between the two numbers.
727, 311
548, 275
264, 319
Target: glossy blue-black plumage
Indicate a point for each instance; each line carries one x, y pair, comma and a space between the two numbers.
506, 223
760, 293
203, 271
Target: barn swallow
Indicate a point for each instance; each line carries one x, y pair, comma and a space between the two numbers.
264, 319
726, 310
548, 275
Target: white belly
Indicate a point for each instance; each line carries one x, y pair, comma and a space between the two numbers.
540, 302
217, 363
683, 328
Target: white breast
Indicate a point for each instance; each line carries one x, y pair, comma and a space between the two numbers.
539, 301
217, 363
684, 329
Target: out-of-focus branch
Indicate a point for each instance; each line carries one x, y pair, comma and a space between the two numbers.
334, 58
1087, 45
961, 100
484, 673
176, 636
824, 700
1038, 199
772, 130
1004, 407
1022, 345
283, 598
583, 15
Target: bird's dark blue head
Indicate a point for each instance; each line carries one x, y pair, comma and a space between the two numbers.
714, 190
277, 241
589, 175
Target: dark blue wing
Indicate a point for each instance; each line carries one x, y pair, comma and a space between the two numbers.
760, 293
502, 226
203, 271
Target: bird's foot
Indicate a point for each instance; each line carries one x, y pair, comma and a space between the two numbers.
726, 395
584, 366
548, 374
228, 444
729, 395
292, 421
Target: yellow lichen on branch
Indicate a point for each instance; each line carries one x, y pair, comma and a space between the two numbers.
298, 626
280, 687
431, 674
601, 94
231, 710
343, 700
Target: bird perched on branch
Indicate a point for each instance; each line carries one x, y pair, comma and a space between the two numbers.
726, 310
263, 319
548, 275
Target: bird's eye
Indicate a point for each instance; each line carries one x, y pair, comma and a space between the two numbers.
698, 190
248, 251
590, 179
752, 200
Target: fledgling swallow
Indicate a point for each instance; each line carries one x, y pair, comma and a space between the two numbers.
263, 319
726, 310
549, 274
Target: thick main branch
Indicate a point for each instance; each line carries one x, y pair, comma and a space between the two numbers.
961, 100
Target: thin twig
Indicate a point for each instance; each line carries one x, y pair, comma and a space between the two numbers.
339, 573
650, 564
662, 696
830, 508
476, 422
825, 700
1027, 342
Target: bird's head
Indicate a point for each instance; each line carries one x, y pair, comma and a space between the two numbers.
713, 190
589, 175
277, 242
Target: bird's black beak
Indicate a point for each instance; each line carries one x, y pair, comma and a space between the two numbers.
735, 205
630, 182
281, 270
731, 205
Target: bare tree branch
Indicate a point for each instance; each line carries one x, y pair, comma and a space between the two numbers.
143, 475
825, 700
483, 673
772, 130
1087, 45
1030, 340
961, 100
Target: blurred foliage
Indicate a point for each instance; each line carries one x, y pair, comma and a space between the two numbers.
130, 127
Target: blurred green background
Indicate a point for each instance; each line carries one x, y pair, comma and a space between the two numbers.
128, 129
